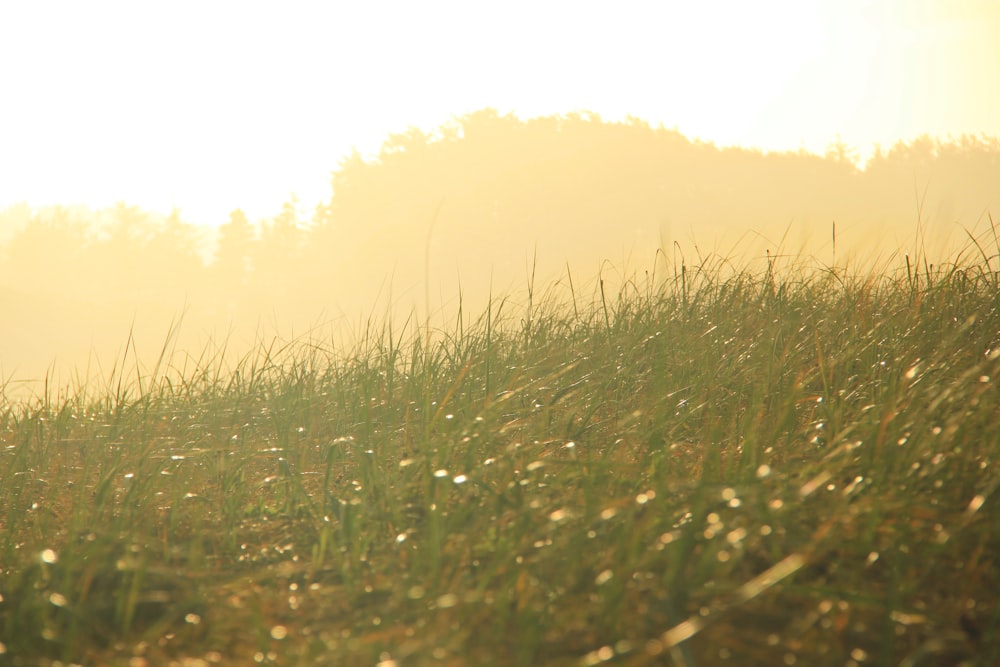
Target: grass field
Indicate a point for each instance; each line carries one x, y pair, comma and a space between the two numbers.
789, 466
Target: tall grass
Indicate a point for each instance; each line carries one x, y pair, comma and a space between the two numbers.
792, 465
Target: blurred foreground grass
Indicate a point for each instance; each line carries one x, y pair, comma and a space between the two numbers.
787, 466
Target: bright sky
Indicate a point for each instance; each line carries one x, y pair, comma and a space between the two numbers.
210, 105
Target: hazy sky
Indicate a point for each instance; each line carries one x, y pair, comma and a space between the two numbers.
218, 104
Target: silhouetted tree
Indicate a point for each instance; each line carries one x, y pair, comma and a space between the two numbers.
234, 250
172, 252
48, 254
277, 256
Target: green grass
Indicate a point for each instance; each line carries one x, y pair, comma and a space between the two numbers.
785, 466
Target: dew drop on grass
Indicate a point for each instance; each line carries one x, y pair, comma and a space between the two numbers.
975, 504
447, 600
602, 654
734, 537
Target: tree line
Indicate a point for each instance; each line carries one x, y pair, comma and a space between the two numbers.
468, 205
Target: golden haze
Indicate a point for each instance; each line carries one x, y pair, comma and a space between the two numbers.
455, 217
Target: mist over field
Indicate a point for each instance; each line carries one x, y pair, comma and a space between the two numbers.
485, 207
